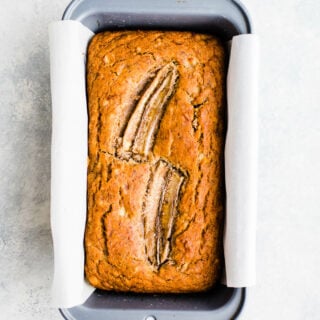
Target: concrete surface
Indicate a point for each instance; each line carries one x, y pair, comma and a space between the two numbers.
289, 168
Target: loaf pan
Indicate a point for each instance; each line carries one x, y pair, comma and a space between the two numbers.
225, 18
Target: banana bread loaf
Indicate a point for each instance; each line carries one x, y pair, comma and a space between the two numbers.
155, 172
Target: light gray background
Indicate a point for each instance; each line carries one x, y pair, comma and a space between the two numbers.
289, 168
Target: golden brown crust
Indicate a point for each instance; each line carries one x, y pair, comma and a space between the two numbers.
155, 172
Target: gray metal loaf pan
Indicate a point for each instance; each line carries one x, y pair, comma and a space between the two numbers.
224, 18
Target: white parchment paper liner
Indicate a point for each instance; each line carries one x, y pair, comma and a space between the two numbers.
68, 45
241, 162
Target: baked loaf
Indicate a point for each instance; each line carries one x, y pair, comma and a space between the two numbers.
155, 172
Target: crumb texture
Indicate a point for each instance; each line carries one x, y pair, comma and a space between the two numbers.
156, 103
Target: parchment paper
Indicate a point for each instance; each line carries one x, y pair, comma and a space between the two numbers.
241, 162
68, 44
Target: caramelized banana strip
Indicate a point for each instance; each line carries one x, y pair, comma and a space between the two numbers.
141, 128
152, 203
153, 114
159, 210
168, 213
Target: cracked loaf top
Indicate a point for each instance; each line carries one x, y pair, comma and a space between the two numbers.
155, 172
